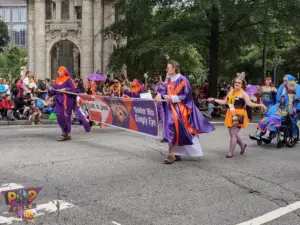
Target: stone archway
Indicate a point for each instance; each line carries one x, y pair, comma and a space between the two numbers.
64, 53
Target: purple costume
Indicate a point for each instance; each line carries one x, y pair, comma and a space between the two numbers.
162, 109
185, 121
65, 104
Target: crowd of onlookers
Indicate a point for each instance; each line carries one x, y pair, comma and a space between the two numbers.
27, 98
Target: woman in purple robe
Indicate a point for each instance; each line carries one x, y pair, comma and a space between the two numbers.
185, 121
66, 103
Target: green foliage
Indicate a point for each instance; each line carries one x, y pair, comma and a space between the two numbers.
4, 38
11, 62
207, 37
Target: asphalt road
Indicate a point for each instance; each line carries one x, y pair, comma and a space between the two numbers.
117, 177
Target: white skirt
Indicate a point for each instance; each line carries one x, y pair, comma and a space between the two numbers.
194, 150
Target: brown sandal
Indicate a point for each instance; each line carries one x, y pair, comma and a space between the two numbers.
65, 138
171, 159
178, 158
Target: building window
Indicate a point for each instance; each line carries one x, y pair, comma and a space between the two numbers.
6, 17
78, 10
65, 9
1, 13
16, 17
19, 35
23, 15
49, 9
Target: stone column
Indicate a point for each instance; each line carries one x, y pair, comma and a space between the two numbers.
97, 34
87, 39
109, 13
40, 38
30, 35
58, 10
71, 10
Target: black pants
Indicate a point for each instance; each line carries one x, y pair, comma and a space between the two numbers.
249, 112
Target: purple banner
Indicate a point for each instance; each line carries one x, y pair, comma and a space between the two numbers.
139, 115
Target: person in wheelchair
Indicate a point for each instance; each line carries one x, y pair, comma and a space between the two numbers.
271, 121
277, 113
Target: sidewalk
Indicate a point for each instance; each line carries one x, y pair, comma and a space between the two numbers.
26, 122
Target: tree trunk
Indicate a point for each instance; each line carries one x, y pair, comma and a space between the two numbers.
214, 40
265, 42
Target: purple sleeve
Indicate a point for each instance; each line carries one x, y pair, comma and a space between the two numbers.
51, 93
183, 95
71, 87
128, 93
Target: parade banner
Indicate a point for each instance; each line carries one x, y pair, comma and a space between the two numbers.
139, 115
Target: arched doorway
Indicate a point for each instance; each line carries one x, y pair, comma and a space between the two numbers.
65, 53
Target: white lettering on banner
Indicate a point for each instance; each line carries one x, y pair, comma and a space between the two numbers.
139, 110
100, 107
152, 122
142, 120
150, 112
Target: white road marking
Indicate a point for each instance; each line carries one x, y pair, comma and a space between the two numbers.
10, 186
273, 215
8, 220
33, 129
49, 208
84, 140
115, 223
52, 206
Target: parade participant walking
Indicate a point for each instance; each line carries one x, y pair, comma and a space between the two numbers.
236, 116
66, 103
185, 121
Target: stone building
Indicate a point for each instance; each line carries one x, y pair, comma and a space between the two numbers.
13, 13
68, 33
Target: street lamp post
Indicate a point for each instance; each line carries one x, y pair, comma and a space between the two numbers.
276, 62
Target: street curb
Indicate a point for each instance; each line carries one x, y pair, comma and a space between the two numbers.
26, 122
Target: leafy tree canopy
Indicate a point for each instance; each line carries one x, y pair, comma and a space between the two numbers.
209, 38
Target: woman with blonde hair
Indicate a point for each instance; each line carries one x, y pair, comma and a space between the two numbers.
236, 116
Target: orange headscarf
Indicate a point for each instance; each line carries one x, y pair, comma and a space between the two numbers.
64, 76
136, 87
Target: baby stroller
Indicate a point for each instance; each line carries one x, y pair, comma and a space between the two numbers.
286, 135
6, 108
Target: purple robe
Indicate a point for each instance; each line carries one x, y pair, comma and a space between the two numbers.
185, 120
64, 107
162, 109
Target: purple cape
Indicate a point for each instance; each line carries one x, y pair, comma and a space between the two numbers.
179, 130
